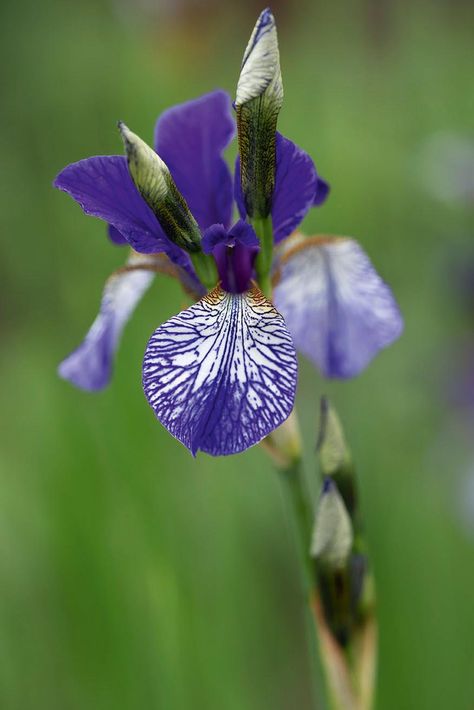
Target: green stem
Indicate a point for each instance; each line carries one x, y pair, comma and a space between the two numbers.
263, 263
205, 269
300, 515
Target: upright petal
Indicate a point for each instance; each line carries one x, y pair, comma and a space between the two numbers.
222, 374
191, 138
337, 308
90, 365
298, 187
103, 187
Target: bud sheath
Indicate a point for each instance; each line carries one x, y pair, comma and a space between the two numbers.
258, 103
155, 184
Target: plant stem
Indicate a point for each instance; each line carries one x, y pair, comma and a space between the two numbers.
299, 509
264, 230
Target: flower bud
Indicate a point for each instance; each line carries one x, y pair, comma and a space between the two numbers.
155, 184
332, 534
284, 443
335, 458
258, 102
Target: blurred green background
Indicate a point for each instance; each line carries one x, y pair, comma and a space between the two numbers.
131, 575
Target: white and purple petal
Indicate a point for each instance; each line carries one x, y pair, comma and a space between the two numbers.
222, 374
89, 367
298, 187
337, 308
191, 138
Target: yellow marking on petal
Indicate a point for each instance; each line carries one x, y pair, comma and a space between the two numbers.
158, 263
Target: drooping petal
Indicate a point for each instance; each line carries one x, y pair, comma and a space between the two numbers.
298, 187
222, 374
103, 187
115, 236
337, 308
191, 138
90, 365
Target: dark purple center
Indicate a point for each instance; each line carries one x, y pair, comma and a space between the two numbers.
234, 252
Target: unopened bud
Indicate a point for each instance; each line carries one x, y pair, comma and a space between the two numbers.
333, 534
155, 184
258, 102
332, 448
284, 443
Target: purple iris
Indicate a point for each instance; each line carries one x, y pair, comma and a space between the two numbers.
221, 375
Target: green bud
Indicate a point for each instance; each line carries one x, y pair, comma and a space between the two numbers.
258, 102
332, 447
335, 457
155, 184
332, 534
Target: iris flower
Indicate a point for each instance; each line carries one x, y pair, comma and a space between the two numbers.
221, 375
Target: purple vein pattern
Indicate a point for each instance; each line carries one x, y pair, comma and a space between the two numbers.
338, 309
222, 374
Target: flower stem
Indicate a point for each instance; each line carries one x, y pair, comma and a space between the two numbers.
297, 498
263, 263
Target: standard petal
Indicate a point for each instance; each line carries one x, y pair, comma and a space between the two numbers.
90, 365
191, 138
103, 188
297, 188
337, 308
222, 374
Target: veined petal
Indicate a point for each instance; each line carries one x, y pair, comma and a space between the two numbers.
338, 310
90, 365
298, 187
222, 374
191, 138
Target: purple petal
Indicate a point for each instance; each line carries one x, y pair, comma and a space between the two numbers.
244, 233
337, 308
115, 236
103, 188
191, 138
90, 365
214, 235
297, 188
221, 375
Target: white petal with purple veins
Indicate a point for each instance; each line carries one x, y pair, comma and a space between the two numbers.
221, 375
337, 308
90, 365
